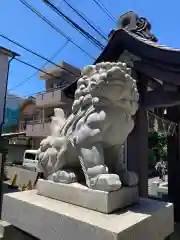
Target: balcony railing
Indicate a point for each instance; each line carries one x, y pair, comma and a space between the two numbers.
38, 128
52, 97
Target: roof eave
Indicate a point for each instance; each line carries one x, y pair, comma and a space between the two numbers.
8, 52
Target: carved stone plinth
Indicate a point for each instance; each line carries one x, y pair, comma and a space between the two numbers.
81, 195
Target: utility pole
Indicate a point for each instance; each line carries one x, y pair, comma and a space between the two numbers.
5, 54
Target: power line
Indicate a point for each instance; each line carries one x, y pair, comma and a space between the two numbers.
36, 54
105, 10
86, 20
75, 25
40, 70
35, 11
85, 16
32, 66
53, 56
35, 93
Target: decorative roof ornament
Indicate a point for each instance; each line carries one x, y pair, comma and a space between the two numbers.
140, 26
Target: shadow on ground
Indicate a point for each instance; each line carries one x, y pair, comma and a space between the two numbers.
176, 234
6, 189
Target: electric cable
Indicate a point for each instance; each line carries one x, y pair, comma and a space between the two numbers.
42, 17
105, 10
85, 19
87, 35
34, 53
34, 74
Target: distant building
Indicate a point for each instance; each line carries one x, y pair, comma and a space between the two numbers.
19, 111
53, 97
5, 59
12, 113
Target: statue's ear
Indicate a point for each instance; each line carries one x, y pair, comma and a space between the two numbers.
57, 121
59, 112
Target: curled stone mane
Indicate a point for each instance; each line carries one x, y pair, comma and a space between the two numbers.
97, 80
104, 85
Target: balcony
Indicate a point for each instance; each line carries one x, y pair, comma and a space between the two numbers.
22, 127
52, 98
38, 128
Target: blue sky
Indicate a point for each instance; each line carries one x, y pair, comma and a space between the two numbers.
20, 24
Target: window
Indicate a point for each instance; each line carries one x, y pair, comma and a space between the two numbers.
28, 117
30, 156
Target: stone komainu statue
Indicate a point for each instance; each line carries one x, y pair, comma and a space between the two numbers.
89, 140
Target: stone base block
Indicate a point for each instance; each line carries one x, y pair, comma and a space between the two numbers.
49, 219
80, 195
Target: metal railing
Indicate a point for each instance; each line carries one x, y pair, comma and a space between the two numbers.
38, 121
52, 89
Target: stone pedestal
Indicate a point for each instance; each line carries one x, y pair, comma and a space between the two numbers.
154, 187
81, 195
49, 219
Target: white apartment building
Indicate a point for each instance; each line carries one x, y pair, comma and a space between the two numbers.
53, 97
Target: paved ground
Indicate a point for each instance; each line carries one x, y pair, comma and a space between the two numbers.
6, 189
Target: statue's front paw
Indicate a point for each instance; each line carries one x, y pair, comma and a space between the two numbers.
63, 176
129, 179
106, 182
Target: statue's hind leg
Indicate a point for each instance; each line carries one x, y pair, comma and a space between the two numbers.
95, 171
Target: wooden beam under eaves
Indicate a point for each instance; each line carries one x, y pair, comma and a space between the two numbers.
163, 73
160, 98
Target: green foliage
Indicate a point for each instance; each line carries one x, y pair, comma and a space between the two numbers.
151, 159
158, 144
